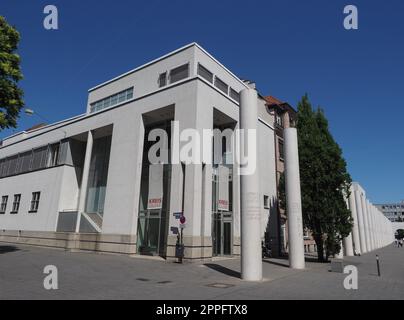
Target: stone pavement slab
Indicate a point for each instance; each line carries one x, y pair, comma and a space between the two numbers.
85, 275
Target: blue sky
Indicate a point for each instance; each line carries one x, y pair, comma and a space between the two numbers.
287, 47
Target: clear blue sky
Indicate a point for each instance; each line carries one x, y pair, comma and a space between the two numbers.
287, 47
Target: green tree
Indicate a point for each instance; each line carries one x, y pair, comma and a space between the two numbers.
11, 95
324, 181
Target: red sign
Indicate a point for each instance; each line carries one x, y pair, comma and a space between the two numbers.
182, 219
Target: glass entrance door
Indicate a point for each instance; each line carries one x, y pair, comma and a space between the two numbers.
151, 232
222, 219
152, 229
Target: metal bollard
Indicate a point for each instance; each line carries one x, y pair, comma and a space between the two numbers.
378, 265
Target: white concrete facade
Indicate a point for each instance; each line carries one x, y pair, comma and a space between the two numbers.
67, 186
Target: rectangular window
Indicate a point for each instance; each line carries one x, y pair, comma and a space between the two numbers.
281, 150
110, 101
234, 95
53, 155
179, 73
3, 205
266, 202
16, 203
39, 158
221, 85
13, 165
24, 162
162, 79
205, 73
35, 202
279, 119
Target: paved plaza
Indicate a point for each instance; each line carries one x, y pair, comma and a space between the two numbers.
83, 275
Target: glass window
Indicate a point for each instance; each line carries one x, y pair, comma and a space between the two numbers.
25, 162
3, 205
98, 174
234, 95
266, 202
221, 85
129, 94
281, 150
12, 165
16, 203
279, 119
112, 100
205, 73
39, 158
162, 79
179, 73
53, 155
35, 201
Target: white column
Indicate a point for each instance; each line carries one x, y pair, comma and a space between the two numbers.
347, 242
355, 228
84, 179
361, 224
374, 226
371, 235
366, 222
293, 200
251, 255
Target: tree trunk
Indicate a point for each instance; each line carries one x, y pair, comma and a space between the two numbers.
320, 247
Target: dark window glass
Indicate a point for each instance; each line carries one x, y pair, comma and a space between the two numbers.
3, 205
235, 95
163, 79
281, 150
205, 73
16, 203
35, 201
221, 85
179, 73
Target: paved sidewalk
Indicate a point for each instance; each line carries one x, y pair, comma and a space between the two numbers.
96, 276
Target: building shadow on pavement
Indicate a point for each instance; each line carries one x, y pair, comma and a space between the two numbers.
224, 270
7, 249
280, 264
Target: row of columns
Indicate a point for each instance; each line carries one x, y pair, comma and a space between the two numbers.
371, 229
251, 261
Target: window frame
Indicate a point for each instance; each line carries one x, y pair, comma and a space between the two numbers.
34, 206
201, 66
16, 204
3, 204
224, 83
169, 78
266, 201
281, 146
162, 75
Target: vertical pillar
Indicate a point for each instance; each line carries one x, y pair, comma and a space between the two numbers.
370, 225
361, 224
84, 179
366, 222
355, 228
251, 255
293, 200
347, 242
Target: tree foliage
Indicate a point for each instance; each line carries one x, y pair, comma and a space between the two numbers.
324, 181
11, 96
